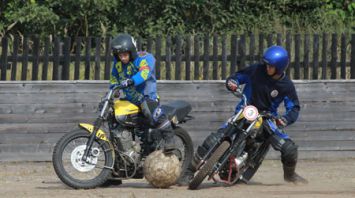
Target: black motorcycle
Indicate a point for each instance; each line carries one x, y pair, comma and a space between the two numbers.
235, 152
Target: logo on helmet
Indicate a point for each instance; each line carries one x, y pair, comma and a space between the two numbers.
274, 93
134, 42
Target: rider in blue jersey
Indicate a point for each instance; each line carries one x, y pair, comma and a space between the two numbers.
135, 71
266, 87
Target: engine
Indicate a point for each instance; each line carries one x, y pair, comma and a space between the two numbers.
130, 148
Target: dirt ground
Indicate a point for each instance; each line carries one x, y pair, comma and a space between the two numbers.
327, 178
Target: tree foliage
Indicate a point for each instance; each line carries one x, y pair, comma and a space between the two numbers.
152, 17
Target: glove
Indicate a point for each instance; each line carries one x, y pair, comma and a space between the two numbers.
127, 83
281, 122
232, 85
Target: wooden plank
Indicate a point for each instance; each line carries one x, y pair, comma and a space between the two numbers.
37, 128
297, 57
215, 57
56, 58
4, 49
97, 58
158, 56
224, 57
334, 57
343, 56
178, 58
324, 55
306, 57
108, 58
206, 54
15, 57
25, 58
279, 39
46, 58
149, 44
87, 57
270, 40
188, 58
197, 57
168, 58
315, 56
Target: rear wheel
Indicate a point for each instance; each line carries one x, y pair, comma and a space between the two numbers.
208, 166
72, 170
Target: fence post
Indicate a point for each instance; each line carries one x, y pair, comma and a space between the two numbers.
168, 58
315, 56
15, 57
158, 56
206, 54
4, 43
188, 58
352, 60
261, 46
251, 48
45, 58
196, 57
234, 53
78, 41
215, 57
56, 57
297, 56
66, 56
306, 57
108, 58
97, 58
24, 58
324, 55
343, 57
178, 58
87, 57
334, 58
289, 50
224, 57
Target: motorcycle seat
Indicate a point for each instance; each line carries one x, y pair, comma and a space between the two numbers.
179, 108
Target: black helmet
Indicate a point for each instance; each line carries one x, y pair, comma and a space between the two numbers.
124, 43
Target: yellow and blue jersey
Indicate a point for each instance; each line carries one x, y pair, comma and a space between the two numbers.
142, 72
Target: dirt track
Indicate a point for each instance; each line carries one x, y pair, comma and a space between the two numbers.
326, 179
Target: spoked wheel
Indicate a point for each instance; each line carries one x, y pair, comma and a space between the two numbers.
208, 166
72, 170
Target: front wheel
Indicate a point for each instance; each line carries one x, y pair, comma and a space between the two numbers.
72, 170
208, 166
184, 145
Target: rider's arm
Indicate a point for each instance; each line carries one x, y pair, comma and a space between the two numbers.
114, 76
146, 66
243, 76
292, 106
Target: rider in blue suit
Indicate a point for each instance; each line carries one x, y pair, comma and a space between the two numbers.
266, 87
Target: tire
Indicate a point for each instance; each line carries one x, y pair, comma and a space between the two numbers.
250, 171
208, 166
75, 173
188, 148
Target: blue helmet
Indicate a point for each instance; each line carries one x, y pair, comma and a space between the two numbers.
276, 56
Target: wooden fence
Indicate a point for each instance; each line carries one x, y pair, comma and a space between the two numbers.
34, 115
317, 56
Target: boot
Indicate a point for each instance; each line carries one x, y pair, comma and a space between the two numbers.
291, 176
186, 177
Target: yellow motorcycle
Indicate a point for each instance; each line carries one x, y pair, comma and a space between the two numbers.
115, 146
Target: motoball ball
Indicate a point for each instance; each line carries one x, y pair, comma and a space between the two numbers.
161, 170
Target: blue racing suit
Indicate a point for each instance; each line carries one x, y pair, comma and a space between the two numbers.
266, 94
142, 72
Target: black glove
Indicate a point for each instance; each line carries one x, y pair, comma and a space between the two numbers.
127, 83
231, 85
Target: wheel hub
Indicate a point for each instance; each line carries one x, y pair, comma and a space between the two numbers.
77, 161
